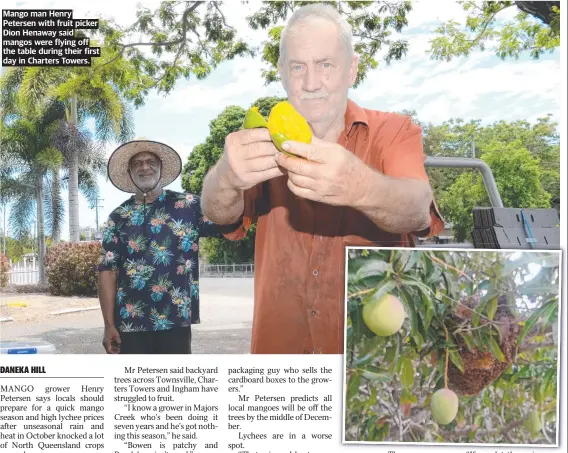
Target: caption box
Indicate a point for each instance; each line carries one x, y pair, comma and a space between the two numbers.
46, 38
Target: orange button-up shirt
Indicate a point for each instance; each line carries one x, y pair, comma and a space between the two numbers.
299, 295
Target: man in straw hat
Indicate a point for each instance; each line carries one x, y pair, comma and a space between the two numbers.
361, 182
148, 269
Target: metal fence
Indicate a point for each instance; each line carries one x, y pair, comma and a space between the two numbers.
25, 272
226, 270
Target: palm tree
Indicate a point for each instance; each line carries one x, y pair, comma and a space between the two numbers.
83, 95
28, 156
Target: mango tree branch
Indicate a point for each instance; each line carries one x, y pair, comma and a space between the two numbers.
449, 266
185, 27
475, 40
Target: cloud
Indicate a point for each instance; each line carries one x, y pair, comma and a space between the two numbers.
237, 82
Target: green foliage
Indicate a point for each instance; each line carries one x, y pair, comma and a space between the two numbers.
40, 97
483, 30
202, 159
373, 25
518, 177
4, 269
532, 143
190, 39
390, 381
71, 268
15, 249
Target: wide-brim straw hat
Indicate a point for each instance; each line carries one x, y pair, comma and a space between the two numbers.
117, 166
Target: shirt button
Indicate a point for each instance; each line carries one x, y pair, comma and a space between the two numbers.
313, 312
315, 272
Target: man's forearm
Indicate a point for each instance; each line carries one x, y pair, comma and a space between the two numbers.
221, 203
395, 205
107, 296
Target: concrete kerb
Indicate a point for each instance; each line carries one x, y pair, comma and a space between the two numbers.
74, 310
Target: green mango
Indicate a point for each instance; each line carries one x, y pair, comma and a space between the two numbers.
278, 139
254, 119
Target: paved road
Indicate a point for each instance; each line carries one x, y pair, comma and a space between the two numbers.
226, 319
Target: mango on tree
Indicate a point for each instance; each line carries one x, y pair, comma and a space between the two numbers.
384, 316
444, 406
532, 423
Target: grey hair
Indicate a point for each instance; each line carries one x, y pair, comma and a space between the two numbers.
314, 11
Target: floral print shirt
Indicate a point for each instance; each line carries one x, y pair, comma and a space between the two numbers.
155, 248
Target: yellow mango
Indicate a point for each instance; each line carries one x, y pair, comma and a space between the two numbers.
286, 123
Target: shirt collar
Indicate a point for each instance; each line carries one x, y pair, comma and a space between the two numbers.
354, 115
161, 198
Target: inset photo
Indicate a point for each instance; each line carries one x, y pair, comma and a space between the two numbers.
452, 346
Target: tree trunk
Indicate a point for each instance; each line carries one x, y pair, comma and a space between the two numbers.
74, 181
55, 191
40, 230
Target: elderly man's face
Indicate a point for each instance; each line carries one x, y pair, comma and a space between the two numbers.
317, 72
145, 170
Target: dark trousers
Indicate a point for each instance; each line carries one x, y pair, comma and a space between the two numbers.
177, 341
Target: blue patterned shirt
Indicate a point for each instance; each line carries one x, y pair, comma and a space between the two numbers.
155, 251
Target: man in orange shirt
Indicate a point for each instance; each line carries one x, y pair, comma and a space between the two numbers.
362, 182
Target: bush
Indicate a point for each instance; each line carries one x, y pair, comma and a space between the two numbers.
4, 269
71, 268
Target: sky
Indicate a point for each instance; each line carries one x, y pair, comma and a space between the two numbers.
480, 86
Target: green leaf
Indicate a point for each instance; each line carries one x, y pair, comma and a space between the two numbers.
486, 398
407, 377
365, 359
477, 311
384, 287
353, 387
434, 277
533, 320
409, 302
377, 377
418, 340
529, 289
372, 268
411, 261
550, 378
537, 393
468, 340
495, 349
401, 260
394, 364
527, 258
426, 310
372, 398
411, 281
549, 312
456, 359
492, 308
485, 284
407, 397
390, 354
478, 419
